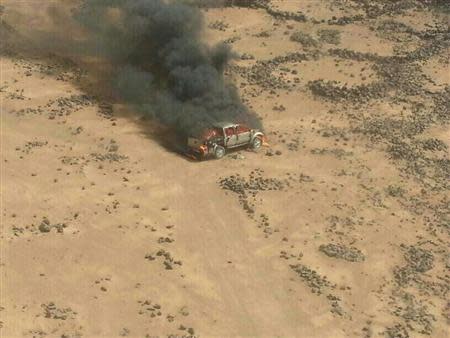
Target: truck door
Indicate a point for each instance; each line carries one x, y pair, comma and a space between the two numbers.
243, 134
230, 137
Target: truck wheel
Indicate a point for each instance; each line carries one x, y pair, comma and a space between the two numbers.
256, 143
219, 152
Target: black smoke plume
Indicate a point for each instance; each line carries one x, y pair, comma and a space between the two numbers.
161, 66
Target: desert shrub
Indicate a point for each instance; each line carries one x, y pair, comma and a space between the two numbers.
304, 39
395, 191
331, 36
263, 34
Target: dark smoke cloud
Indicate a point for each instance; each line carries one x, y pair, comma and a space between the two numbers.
161, 66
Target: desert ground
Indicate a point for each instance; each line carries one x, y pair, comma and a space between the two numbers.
338, 228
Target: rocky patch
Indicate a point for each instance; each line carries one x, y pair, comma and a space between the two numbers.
342, 252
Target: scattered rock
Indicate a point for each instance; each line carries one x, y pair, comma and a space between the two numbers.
53, 312
342, 252
45, 226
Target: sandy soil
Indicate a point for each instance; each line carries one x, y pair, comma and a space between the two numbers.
338, 229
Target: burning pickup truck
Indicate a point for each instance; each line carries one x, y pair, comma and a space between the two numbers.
222, 136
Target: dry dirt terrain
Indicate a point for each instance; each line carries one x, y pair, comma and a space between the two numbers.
339, 228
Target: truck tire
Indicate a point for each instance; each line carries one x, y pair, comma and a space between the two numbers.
219, 152
256, 143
